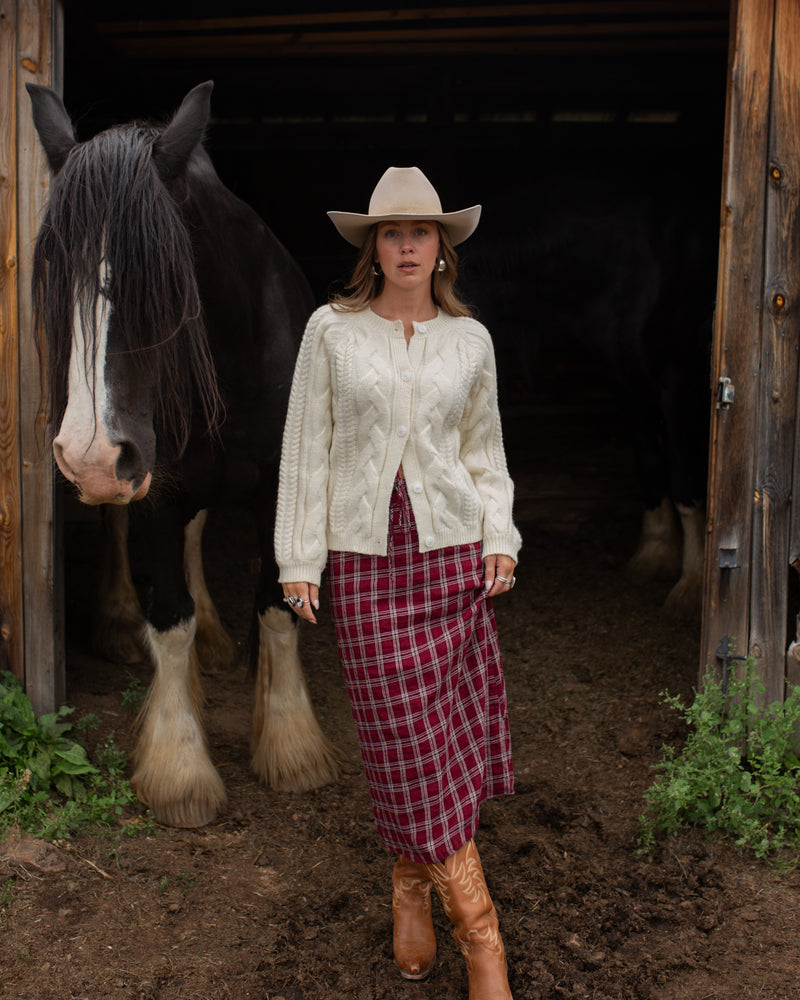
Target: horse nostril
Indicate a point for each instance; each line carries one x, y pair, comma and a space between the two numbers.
129, 465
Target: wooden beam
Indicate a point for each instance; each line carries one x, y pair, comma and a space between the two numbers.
563, 11
31, 623
11, 617
39, 51
517, 43
737, 331
780, 332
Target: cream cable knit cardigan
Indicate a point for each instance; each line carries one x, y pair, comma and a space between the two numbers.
362, 403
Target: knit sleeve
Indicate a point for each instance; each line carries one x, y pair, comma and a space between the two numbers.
301, 515
483, 455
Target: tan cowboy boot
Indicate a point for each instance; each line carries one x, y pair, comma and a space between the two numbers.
462, 889
414, 938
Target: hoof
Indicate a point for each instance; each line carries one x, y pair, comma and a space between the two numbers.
193, 804
290, 753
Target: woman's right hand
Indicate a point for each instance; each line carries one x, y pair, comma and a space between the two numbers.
303, 599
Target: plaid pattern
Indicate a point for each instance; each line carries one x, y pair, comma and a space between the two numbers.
418, 645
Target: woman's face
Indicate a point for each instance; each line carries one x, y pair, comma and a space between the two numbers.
407, 252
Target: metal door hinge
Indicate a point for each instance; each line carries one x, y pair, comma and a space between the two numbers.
725, 393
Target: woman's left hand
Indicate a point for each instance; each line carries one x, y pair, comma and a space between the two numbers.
498, 574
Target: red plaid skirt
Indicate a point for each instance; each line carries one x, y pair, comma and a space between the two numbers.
418, 645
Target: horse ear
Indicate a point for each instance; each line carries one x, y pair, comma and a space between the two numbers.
52, 123
173, 148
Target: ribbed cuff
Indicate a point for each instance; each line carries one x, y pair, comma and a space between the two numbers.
301, 572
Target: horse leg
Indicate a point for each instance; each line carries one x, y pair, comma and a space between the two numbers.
215, 649
289, 750
685, 408
173, 773
686, 596
118, 629
658, 553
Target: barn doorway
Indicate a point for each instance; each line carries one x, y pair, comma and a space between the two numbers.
560, 110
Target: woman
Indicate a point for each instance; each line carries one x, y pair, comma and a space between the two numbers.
393, 474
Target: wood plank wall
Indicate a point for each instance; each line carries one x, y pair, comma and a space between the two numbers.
31, 598
756, 346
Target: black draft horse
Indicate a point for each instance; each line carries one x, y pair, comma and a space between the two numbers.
171, 317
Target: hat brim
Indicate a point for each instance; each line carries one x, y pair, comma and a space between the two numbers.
354, 227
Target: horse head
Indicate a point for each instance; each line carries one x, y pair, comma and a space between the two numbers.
116, 298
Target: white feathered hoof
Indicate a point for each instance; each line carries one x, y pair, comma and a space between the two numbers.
659, 553
290, 753
173, 773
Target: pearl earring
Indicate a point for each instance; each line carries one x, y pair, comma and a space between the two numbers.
442, 265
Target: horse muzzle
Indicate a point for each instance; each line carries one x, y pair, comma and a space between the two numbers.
95, 472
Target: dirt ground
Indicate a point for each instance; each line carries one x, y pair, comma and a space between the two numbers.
289, 896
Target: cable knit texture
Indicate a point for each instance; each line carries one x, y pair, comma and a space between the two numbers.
362, 403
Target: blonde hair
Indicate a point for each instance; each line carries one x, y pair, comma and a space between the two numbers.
365, 285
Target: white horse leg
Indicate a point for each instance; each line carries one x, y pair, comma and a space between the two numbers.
118, 632
659, 551
215, 648
686, 596
290, 752
173, 773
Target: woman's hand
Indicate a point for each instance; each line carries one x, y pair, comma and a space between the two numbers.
498, 574
302, 598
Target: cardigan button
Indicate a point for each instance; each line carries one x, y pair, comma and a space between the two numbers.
417, 487
429, 541
402, 431
422, 328
405, 376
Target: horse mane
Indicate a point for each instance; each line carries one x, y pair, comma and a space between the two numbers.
109, 203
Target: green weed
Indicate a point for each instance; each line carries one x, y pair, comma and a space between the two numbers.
738, 774
48, 785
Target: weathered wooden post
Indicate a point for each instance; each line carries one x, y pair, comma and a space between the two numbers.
31, 599
753, 534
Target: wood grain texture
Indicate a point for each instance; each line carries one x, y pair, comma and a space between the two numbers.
42, 576
31, 620
11, 615
737, 329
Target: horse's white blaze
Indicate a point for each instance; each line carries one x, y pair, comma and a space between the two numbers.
174, 774
290, 751
82, 447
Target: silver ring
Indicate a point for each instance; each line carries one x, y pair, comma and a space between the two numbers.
290, 601
510, 582
299, 602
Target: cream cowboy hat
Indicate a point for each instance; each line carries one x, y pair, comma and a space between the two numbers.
405, 193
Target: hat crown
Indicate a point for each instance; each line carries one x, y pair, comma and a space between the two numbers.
404, 191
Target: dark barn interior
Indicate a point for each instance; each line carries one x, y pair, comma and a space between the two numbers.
528, 108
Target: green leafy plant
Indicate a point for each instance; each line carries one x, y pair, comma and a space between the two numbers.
738, 773
48, 785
